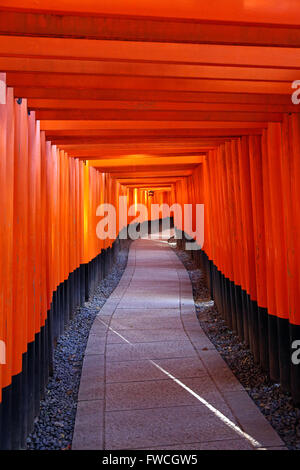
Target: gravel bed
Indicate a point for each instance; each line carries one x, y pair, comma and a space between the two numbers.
275, 404
53, 428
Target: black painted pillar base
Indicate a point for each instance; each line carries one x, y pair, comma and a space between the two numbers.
274, 371
284, 354
263, 338
294, 337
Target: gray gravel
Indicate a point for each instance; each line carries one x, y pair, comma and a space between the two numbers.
53, 428
275, 404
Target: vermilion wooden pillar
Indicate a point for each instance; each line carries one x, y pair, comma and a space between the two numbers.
278, 237
294, 247
259, 254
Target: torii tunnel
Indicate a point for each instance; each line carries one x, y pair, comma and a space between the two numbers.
167, 102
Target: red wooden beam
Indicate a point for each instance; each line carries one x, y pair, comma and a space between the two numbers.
238, 11
44, 80
108, 67
181, 116
145, 29
147, 51
146, 96
56, 104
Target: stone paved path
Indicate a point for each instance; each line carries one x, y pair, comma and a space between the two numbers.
151, 378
